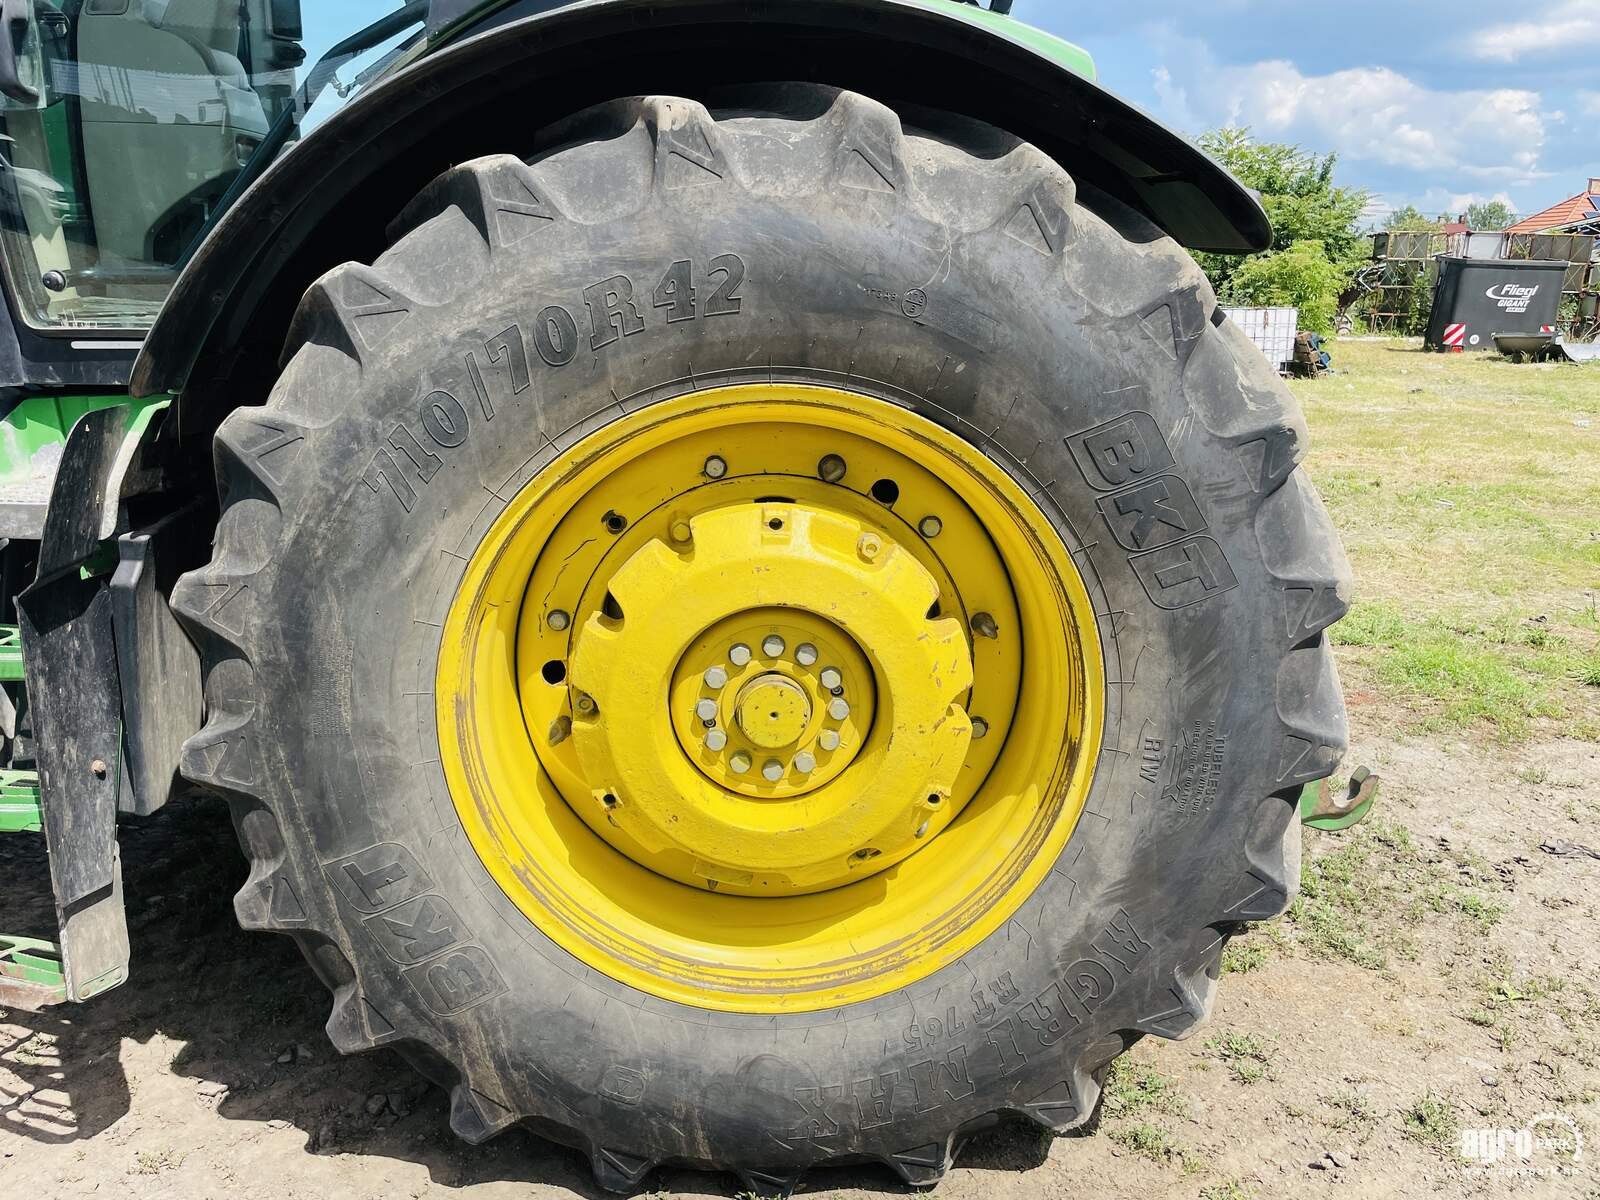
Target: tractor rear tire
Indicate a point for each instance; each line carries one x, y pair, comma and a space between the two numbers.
659, 254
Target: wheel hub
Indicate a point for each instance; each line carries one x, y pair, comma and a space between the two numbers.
785, 661
773, 711
778, 761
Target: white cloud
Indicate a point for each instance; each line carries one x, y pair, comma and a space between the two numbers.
1461, 201
1589, 103
1371, 114
1433, 202
1569, 26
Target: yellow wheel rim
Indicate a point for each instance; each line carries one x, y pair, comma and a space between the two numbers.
770, 698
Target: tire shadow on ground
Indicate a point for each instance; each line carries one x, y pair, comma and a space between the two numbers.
237, 1021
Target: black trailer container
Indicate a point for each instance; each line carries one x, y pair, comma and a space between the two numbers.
1477, 298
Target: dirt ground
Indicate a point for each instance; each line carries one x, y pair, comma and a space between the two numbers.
1437, 975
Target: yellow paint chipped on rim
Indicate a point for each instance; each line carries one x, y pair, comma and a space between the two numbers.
518, 734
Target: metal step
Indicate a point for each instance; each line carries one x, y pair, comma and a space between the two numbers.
10, 653
31, 975
19, 802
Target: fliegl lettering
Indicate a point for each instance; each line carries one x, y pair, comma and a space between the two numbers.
1512, 297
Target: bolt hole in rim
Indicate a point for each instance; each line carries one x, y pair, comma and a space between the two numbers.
702, 879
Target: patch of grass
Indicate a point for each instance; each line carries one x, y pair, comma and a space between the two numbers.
1587, 670
1378, 624
1359, 902
1566, 1094
1463, 491
1431, 1122
1226, 1189
1517, 1007
1147, 1141
154, 1162
1247, 1056
1455, 673
1351, 1112
1245, 954
1133, 1087
1475, 907
1399, 1024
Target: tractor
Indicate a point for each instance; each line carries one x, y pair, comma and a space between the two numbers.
747, 606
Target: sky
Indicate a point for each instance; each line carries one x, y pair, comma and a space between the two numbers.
1431, 104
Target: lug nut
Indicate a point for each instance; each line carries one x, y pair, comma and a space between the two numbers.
983, 625
805, 762
739, 656
739, 763
706, 710
930, 527
838, 708
716, 467
831, 678
716, 678
716, 741
772, 646
772, 770
831, 469
980, 727
869, 546
584, 703
558, 619
805, 654
681, 532
829, 740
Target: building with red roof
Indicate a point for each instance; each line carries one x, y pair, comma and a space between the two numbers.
1585, 206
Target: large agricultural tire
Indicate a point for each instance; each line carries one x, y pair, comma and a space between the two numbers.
658, 254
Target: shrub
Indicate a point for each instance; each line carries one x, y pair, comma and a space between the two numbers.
1301, 275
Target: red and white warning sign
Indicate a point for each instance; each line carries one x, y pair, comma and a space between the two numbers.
1455, 335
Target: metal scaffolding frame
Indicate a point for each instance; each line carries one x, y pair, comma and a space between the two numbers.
1393, 294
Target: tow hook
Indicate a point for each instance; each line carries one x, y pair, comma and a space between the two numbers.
1322, 808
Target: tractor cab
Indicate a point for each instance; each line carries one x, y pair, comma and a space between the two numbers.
128, 126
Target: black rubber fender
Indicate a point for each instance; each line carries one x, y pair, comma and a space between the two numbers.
329, 198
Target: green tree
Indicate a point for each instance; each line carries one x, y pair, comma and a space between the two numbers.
1490, 215
1302, 274
1299, 193
1317, 243
1410, 220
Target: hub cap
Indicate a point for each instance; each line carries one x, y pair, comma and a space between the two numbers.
768, 809
769, 698
773, 712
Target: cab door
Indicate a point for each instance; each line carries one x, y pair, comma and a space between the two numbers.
125, 121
